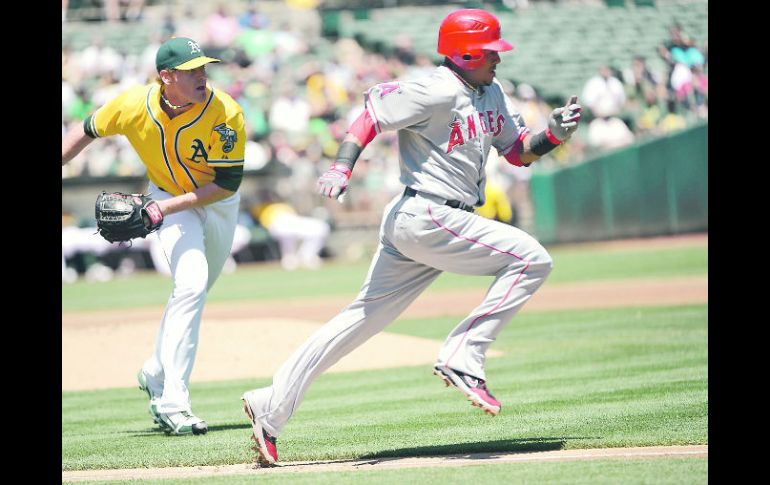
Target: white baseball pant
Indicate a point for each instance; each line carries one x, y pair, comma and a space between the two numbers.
196, 244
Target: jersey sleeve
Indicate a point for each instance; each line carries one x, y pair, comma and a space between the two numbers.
228, 141
112, 118
395, 105
514, 129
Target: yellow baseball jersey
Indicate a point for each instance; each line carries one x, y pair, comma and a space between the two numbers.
267, 213
496, 205
180, 153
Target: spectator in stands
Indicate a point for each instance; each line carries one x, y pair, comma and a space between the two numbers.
221, 30
290, 112
639, 80
169, 26
289, 40
649, 114
496, 206
117, 10
680, 54
643, 89
86, 245
80, 105
607, 131
676, 39
300, 238
700, 91
76, 240
146, 60
188, 25
252, 18
604, 93
98, 58
672, 121
532, 108
687, 77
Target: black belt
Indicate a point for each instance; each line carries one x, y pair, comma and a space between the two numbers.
456, 204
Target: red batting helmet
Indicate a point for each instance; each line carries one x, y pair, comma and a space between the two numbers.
465, 34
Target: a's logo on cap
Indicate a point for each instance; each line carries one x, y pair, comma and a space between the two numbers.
193, 47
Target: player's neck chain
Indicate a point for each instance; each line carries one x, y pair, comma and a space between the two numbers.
477, 90
471, 86
172, 106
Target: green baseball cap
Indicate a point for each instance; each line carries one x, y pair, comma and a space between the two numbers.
181, 53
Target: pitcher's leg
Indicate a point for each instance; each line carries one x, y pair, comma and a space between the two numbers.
219, 232
392, 284
177, 347
152, 367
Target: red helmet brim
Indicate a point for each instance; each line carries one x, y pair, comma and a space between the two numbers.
499, 45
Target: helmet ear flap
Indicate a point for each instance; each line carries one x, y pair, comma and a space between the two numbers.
469, 59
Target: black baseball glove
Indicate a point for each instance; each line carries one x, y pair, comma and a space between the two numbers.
121, 217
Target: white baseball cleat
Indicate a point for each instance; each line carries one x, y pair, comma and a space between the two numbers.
181, 423
144, 386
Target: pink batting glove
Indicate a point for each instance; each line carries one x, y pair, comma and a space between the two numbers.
334, 181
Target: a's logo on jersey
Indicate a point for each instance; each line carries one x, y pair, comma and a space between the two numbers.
193, 47
387, 88
198, 151
227, 135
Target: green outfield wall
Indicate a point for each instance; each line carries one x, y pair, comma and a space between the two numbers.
657, 187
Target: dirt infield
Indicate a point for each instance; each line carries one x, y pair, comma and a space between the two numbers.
389, 463
104, 349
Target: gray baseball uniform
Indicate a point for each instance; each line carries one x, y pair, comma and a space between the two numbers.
445, 132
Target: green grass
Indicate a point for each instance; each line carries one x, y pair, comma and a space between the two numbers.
580, 379
260, 282
661, 471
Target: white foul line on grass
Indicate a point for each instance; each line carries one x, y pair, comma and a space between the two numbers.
492, 458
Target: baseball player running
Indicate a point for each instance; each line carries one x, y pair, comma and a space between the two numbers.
446, 125
191, 138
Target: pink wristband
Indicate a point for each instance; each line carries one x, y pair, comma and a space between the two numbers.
552, 138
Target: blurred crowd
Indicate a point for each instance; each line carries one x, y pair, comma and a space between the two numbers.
637, 102
300, 92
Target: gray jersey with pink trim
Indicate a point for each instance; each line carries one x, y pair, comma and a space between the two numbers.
445, 131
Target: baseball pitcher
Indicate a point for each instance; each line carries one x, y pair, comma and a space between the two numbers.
191, 138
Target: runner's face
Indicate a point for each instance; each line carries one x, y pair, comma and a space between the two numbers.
485, 74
